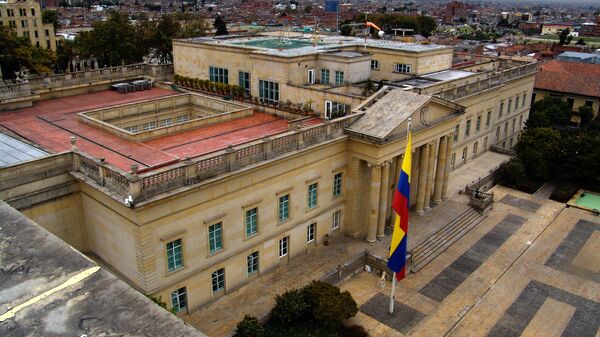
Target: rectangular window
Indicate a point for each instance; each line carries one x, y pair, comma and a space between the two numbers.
339, 77
337, 218
183, 118
179, 299
32, 12
132, 129
468, 128
456, 131
35, 34
174, 255
268, 91
325, 76
475, 149
374, 64
244, 81
284, 207
311, 76
517, 103
484, 143
337, 185
220, 75
514, 122
251, 222
215, 237
589, 103
334, 110
149, 126
501, 109
166, 122
252, 261
283, 246
47, 32
520, 122
312, 195
505, 129
310, 232
488, 119
218, 280
524, 99
464, 154
509, 106
402, 68
48, 44
570, 102
497, 134
23, 23
478, 125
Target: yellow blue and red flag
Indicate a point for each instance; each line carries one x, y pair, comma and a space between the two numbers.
397, 257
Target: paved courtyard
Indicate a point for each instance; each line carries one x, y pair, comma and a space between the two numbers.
531, 268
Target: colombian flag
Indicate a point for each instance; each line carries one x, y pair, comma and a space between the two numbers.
397, 257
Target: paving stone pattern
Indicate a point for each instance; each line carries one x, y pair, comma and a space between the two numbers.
403, 319
584, 322
524, 204
568, 249
453, 276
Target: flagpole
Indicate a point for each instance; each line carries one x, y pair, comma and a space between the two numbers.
393, 294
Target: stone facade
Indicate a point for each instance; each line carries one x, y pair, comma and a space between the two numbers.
25, 17
297, 189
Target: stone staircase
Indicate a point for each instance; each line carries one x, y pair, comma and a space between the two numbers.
443, 238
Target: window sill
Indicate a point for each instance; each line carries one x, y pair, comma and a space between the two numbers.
216, 252
251, 236
281, 222
173, 272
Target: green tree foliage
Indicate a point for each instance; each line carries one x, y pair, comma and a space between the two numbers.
354, 331
586, 113
16, 52
249, 327
329, 305
291, 306
307, 9
562, 38
113, 42
50, 16
220, 26
580, 42
548, 112
539, 150
423, 25
512, 173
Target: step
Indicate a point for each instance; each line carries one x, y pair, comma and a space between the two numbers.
437, 243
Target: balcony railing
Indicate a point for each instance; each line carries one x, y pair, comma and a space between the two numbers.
143, 186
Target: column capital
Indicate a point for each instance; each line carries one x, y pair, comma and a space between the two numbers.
370, 165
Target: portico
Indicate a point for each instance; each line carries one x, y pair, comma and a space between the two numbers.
377, 144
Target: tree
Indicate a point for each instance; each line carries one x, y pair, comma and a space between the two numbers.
307, 9
586, 113
220, 26
329, 305
50, 16
580, 42
166, 30
291, 306
562, 38
100, 41
249, 327
539, 151
427, 25
193, 28
16, 52
548, 112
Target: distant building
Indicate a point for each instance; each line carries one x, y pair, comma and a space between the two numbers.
576, 83
25, 17
555, 28
570, 56
456, 11
591, 29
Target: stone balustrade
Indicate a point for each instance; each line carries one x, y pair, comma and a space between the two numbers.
81, 77
493, 79
143, 186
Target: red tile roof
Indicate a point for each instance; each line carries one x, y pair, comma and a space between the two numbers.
50, 123
569, 77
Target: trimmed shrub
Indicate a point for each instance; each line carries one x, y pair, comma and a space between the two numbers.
249, 327
291, 306
354, 331
329, 305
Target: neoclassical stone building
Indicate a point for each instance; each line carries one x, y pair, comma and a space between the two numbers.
188, 197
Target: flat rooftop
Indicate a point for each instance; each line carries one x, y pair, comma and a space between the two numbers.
51, 123
308, 44
47, 288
